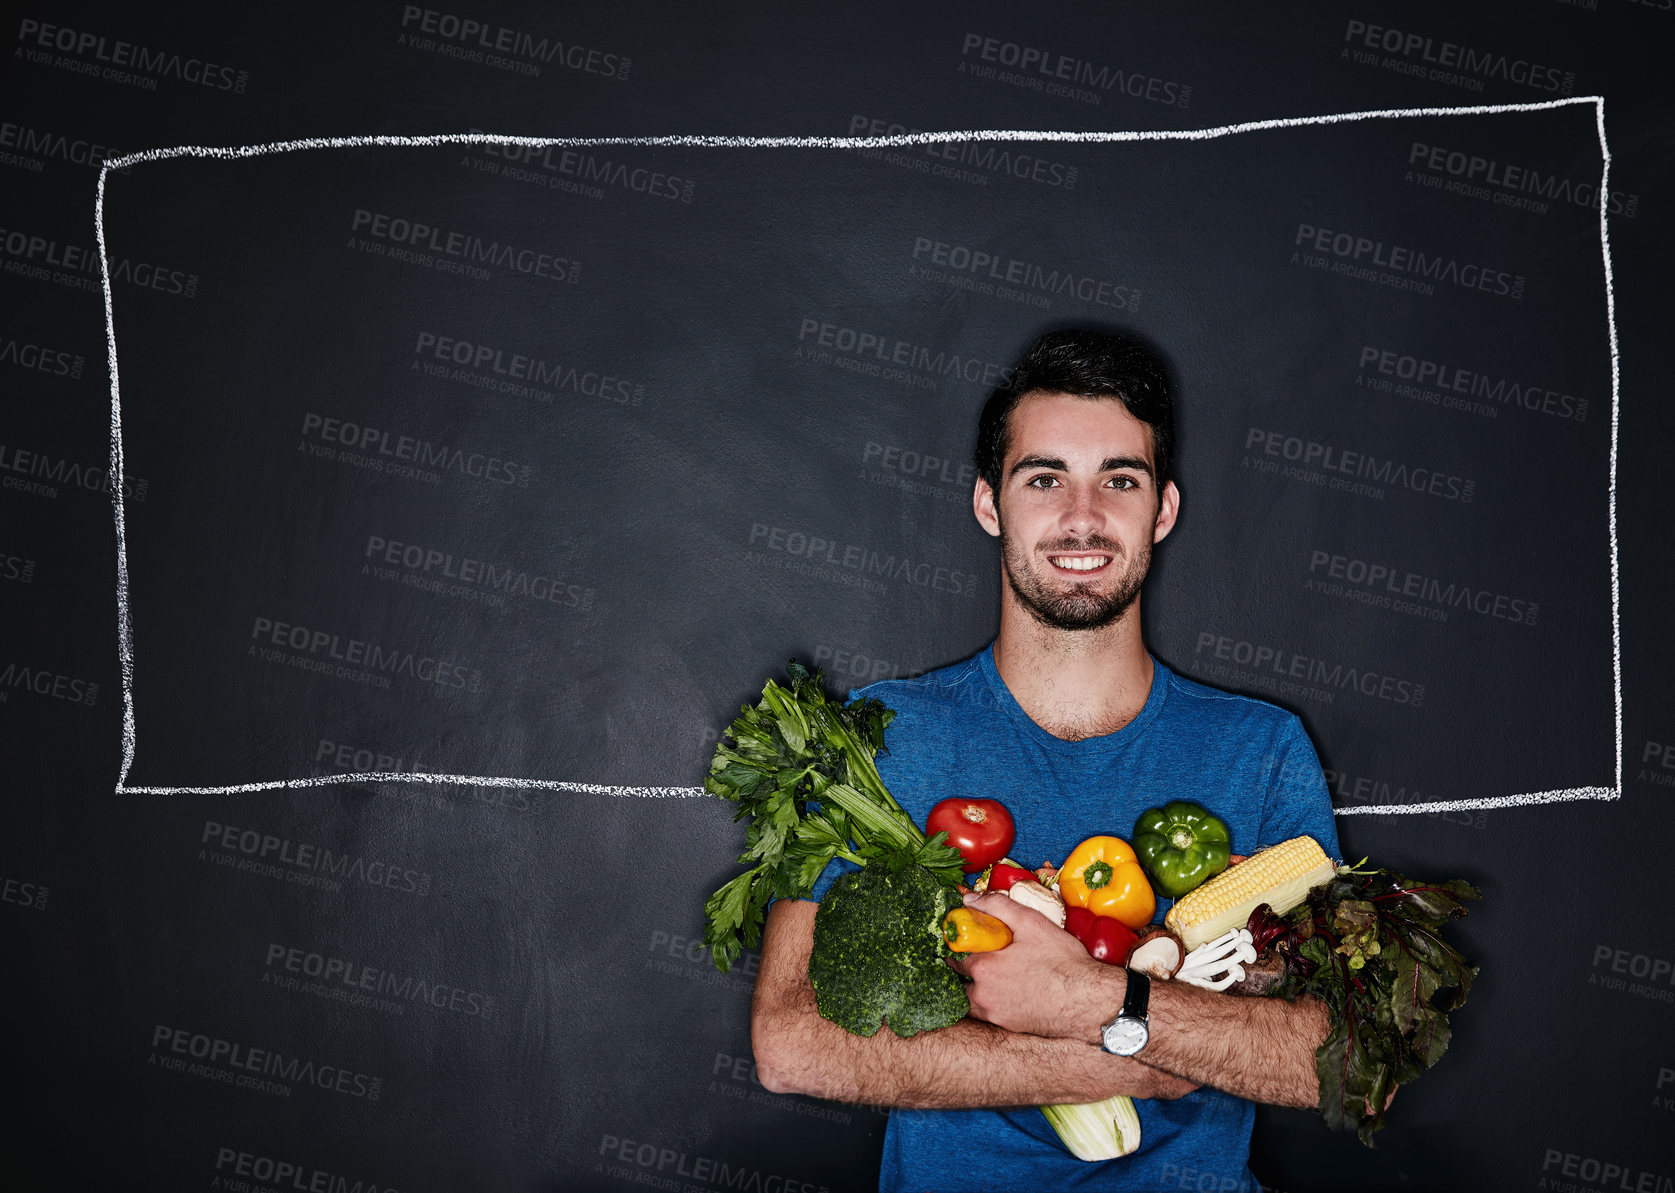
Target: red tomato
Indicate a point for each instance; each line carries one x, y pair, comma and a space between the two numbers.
981, 829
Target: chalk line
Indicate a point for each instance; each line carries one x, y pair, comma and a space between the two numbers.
889, 141
1527, 799
1568, 794
707, 141
426, 777
124, 625
1616, 379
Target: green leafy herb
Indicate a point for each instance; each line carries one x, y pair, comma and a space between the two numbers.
1367, 944
800, 767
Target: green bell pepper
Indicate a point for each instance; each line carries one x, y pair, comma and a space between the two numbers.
1180, 845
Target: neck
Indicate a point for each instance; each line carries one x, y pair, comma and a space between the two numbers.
1073, 683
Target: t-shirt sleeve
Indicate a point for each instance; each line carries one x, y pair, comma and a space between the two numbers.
1298, 802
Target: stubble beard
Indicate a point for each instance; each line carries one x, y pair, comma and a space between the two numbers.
1081, 608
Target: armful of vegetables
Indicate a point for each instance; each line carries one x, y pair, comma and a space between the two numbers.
1287, 922
801, 768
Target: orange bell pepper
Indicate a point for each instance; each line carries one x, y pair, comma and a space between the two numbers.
968, 930
1103, 875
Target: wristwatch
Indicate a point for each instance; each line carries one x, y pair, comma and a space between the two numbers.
1126, 1034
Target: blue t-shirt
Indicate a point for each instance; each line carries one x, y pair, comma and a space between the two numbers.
959, 732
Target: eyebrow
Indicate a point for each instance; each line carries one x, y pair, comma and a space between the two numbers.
1109, 464
1028, 462
1113, 463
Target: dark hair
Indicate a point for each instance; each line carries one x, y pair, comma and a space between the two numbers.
1086, 364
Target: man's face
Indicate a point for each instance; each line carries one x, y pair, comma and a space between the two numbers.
1078, 509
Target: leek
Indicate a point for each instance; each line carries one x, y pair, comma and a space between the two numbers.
1097, 1130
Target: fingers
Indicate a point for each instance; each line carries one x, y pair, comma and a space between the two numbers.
1014, 915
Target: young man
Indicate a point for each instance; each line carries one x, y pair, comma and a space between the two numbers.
1069, 721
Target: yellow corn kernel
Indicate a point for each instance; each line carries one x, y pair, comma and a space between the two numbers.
1280, 876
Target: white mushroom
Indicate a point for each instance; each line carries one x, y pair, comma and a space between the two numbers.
1033, 894
1219, 963
1159, 953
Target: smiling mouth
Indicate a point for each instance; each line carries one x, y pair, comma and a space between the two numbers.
1081, 564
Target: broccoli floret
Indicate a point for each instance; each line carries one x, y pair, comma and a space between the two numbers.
879, 951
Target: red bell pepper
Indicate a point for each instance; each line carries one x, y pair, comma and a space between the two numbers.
1106, 939
1002, 876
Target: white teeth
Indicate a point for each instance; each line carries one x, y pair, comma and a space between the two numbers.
1082, 564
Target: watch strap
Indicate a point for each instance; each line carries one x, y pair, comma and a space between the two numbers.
1138, 996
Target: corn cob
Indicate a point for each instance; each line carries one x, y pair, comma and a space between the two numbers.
1279, 876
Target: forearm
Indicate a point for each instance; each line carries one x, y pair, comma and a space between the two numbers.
966, 1065
1257, 1048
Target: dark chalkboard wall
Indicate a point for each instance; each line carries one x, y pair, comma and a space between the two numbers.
522, 460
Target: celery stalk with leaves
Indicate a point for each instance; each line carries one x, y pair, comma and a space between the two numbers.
801, 768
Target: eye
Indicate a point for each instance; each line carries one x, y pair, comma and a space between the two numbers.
1123, 482
1042, 482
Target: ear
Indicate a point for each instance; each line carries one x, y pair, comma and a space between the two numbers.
983, 505
1168, 509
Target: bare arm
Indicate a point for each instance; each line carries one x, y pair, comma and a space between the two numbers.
1257, 1048
968, 1064
1045, 983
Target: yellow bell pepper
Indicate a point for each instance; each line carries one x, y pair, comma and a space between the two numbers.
1103, 875
968, 930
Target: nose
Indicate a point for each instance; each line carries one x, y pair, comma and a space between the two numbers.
1083, 515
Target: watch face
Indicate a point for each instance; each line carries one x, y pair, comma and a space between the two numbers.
1125, 1037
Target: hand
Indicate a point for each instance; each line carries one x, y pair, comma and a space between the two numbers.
1044, 982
